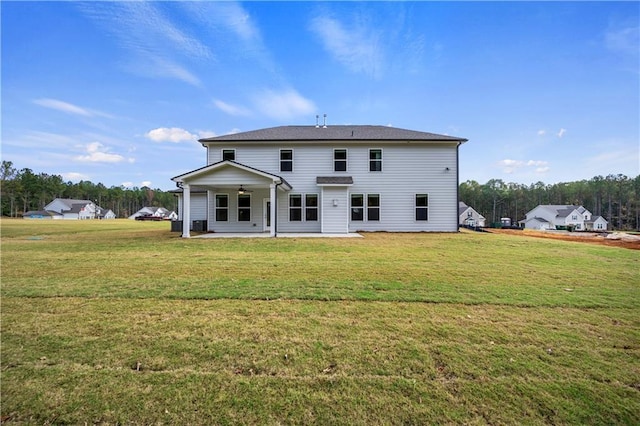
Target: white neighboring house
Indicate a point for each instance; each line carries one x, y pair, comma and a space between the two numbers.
324, 179
546, 217
102, 213
73, 209
155, 212
468, 216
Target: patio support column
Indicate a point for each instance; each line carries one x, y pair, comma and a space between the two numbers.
186, 210
274, 219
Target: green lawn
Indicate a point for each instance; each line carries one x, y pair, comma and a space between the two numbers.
124, 322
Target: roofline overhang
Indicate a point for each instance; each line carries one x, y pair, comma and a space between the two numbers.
279, 181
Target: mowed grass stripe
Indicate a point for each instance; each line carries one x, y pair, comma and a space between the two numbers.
324, 361
142, 260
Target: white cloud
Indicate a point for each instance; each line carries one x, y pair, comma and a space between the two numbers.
202, 134
62, 106
152, 39
284, 105
145, 183
542, 132
561, 133
98, 153
127, 184
510, 166
74, 176
358, 47
231, 109
623, 40
170, 134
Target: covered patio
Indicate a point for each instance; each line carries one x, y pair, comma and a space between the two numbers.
229, 177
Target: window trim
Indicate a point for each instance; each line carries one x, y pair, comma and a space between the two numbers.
368, 207
303, 207
295, 208
416, 207
289, 161
228, 150
345, 160
361, 207
380, 160
315, 208
248, 196
216, 208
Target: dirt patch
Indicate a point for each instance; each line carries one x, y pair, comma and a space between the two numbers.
615, 239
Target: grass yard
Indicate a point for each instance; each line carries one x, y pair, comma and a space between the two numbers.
108, 322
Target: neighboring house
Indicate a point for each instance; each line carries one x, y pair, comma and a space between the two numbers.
467, 216
73, 209
102, 213
155, 212
42, 214
545, 217
324, 179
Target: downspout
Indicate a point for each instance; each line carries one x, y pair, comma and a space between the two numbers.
457, 185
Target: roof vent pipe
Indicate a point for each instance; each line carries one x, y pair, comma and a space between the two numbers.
324, 125
317, 118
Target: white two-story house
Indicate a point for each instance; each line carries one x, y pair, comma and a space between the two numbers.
546, 217
323, 179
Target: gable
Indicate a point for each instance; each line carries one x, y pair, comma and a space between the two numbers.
229, 173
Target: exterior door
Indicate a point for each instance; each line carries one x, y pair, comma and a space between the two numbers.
266, 214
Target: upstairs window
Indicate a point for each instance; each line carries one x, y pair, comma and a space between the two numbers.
222, 207
228, 154
244, 207
375, 160
422, 206
339, 160
286, 160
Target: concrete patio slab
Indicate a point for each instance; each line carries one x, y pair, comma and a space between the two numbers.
280, 235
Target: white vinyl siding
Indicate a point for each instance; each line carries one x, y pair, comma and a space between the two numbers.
408, 169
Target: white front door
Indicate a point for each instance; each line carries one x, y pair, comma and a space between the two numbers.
266, 214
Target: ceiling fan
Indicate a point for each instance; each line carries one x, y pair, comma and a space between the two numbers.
242, 191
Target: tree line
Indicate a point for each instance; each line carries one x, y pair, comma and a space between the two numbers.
24, 190
614, 197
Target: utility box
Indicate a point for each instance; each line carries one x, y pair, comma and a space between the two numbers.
176, 226
199, 225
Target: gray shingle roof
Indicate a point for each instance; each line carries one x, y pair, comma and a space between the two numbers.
334, 180
333, 133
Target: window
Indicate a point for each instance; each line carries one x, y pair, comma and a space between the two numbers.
228, 154
373, 207
244, 207
357, 207
222, 207
295, 207
286, 160
311, 207
375, 160
339, 160
422, 206
299, 203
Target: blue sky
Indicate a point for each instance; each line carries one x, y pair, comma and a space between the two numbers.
119, 92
